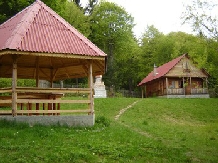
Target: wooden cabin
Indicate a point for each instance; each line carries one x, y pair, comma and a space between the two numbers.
179, 78
38, 44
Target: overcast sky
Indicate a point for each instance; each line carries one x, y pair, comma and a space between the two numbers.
163, 14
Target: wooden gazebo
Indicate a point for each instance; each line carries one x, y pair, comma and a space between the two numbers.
38, 44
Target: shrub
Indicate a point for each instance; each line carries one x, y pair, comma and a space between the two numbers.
102, 121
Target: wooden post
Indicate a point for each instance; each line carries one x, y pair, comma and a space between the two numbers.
183, 85
206, 83
37, 72
29, 108
50, 105
167, 86
206, 80
190, 82
142, 92
43, 107
90, 83
190, 85
37, 80
54, 105
14, 86
51, 78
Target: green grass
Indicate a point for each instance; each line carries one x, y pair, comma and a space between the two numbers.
152, 130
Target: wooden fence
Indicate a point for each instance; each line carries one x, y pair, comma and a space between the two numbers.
43, 101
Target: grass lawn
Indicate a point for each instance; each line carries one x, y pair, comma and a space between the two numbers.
152, 130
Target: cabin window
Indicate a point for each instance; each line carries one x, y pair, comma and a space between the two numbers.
174, 84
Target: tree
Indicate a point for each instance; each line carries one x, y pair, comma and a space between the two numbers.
111, 29
74, 15
149, 50
199, 15
11, 7
77, 2
90, 7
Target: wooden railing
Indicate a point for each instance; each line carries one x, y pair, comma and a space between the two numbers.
41, 101
180, 91
175, 91
199, 91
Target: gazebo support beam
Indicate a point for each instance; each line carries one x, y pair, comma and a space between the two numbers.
51, 78
90, 83
14, 85
37, 71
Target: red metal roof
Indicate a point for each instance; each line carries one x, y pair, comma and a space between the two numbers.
162, 70
38, 28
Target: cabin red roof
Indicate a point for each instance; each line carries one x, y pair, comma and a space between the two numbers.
38, 28
162, 70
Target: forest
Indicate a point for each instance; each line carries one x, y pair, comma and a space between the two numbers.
130, 59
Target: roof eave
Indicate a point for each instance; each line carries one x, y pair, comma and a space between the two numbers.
43, 54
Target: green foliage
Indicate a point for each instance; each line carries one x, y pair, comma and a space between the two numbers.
11, 7
26, 82
7, 82
90, 7
112, 32
102, 121
110, 27
58, 5
198, 15
110, 23
76, 18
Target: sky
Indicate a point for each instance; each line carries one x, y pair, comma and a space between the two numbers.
163, 14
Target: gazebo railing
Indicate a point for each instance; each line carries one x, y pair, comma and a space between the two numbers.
43, 101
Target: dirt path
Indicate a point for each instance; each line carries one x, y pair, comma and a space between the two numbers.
125, 109
131, 128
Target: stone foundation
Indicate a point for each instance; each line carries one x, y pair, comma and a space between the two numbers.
187, 96
71, 121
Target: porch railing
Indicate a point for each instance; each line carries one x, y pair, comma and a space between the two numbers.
175, 91
199, 91
180, 91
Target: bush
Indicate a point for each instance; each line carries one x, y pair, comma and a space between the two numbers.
102, 121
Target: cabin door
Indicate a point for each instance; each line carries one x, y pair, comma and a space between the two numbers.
187, 86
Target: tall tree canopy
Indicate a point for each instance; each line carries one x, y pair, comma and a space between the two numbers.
90, 7
200, 15
11, 7
112, 31
74, 15
110, 27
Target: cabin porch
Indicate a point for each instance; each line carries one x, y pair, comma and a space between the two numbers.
177, 88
